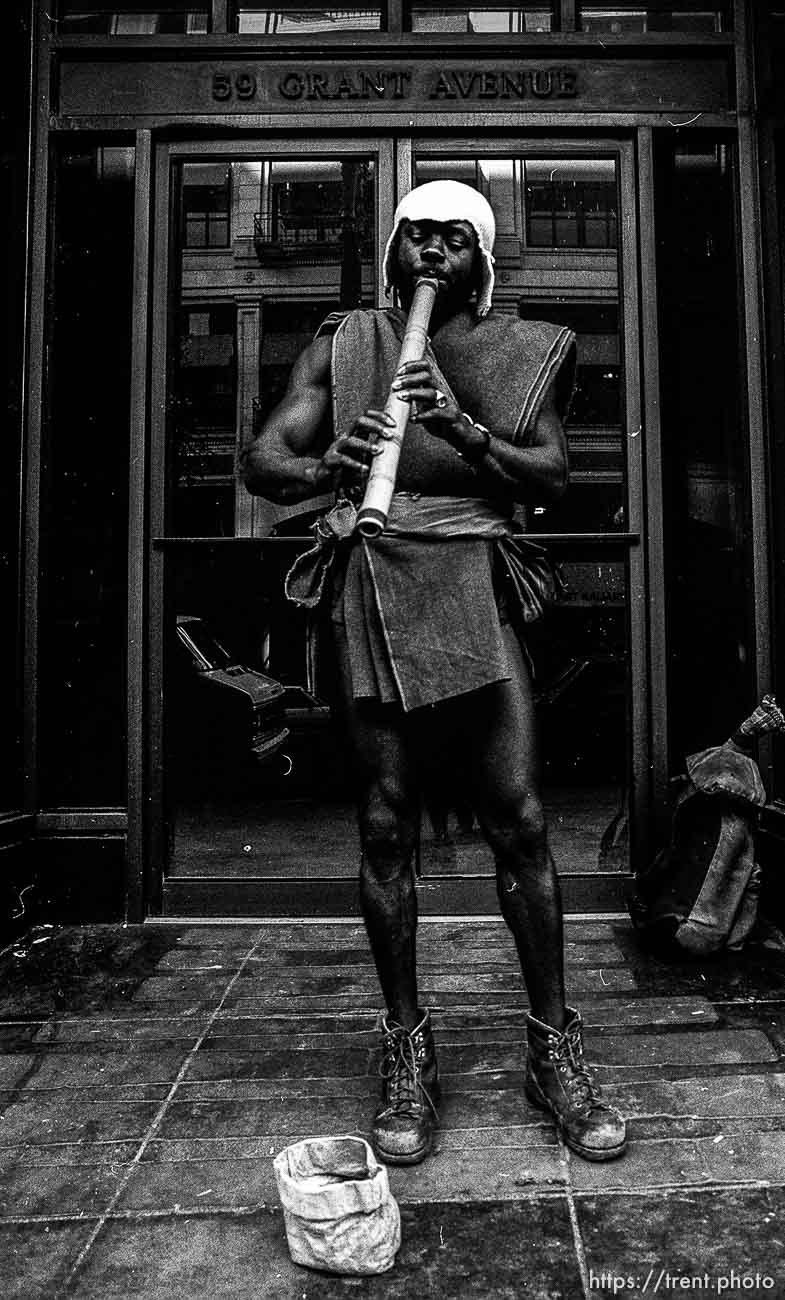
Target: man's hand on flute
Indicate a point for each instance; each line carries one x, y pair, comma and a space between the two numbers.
436, 410
349, 455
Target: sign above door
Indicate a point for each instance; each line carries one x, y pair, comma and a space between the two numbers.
166, 89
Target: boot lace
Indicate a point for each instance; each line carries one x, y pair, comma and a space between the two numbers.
579, 1085
401, 1070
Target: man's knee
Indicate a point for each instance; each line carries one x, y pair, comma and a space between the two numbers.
388, 831
519, 829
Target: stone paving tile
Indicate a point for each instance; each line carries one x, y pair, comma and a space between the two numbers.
199, 1185
219, 1064
129, 1032
78, 1069
479, 1175
448, 1251
131, 1091
688, 1233
669, 1162
744, 1155
711, 1047
733, 1094
198, 990
274, 1089
58, 1117
234, 1118
36, 1258
71, 1153
57, 1189
698, 1126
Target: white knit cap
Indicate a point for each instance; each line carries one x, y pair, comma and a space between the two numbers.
448, 201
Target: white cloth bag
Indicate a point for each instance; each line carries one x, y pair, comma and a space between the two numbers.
339, 1212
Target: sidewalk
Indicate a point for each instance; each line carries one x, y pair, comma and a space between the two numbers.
149, 1074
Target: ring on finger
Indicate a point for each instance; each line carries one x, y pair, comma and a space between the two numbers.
440, 399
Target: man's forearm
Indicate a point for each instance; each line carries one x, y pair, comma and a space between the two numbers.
282, 478
529, 473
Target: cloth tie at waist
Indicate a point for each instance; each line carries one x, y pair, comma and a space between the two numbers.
418, 604
411, 515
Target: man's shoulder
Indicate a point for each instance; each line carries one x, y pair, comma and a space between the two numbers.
332, 323
521, 327
506, 331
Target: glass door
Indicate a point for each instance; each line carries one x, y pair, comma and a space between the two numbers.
255, 247
250, 792
566, 253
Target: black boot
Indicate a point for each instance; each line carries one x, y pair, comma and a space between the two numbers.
403, 1125
558, 1080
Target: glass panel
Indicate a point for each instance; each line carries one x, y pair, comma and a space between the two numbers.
703, 430
84, 517
300, 236
621, 19
238, 661
570, 203
206, 198
580, 650
301, 18
167, 17
481, 18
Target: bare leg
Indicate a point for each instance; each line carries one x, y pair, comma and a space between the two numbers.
388, 809
506, 784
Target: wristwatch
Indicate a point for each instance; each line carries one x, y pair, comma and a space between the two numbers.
476, 456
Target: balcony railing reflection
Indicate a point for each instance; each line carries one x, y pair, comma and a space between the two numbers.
309, 239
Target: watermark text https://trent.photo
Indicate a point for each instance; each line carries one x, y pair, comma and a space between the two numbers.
661, 1281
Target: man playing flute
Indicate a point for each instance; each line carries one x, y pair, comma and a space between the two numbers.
424, 621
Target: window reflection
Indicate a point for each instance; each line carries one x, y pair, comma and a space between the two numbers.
300, 18
316, 212
206, 195
620, 19
169, 17
204, 413
481, 18
557, 203
570, 204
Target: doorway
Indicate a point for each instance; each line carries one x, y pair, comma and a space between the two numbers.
250, 790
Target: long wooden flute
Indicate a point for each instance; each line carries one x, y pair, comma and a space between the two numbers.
372, 515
